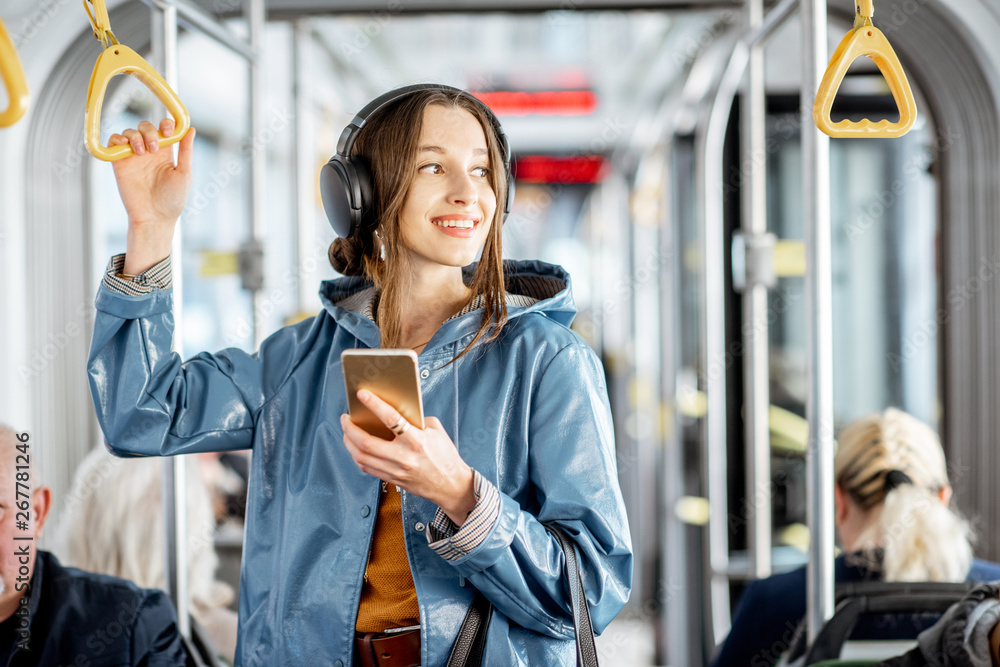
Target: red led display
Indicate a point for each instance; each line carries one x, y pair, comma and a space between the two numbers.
542, 103
549, 169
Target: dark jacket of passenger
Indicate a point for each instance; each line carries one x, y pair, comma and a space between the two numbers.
771, 609
81, 619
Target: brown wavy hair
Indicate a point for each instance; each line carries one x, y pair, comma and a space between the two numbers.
388, 143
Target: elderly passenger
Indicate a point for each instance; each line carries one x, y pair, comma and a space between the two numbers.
113, 524
53, 615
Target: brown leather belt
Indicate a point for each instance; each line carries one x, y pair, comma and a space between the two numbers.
378, 649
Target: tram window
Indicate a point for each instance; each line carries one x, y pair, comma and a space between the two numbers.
884, 270
884, 232
545, 224
885, 293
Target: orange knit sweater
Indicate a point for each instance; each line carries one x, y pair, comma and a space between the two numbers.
388, 597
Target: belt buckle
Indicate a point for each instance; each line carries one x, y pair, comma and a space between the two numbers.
394, 631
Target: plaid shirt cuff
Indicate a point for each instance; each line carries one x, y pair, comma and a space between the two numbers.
157, 277
452, 542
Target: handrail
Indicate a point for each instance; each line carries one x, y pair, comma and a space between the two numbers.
819, 329
756, 372
14, 80
709, 139
193, 16
120, 59
864, 39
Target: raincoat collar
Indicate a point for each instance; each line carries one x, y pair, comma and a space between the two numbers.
345, 300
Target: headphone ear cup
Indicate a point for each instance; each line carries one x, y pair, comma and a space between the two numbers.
509, 204
505, 151
338, 193
366, 194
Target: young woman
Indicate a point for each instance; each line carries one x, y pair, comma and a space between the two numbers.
892, 515
519, 432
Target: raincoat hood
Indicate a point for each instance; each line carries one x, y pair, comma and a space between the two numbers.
547, 285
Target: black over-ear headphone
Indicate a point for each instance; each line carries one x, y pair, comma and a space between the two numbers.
346, 182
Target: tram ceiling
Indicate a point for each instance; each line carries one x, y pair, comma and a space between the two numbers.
570, 55
279, 9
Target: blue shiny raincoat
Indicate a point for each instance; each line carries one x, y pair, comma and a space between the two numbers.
529, 411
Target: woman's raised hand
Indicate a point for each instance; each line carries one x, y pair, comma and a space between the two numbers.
153, 190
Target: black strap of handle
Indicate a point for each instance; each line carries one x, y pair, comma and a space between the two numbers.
586, 650
471, 642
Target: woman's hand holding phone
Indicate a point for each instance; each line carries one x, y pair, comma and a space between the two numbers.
424, 462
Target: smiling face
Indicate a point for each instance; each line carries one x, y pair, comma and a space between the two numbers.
450, 204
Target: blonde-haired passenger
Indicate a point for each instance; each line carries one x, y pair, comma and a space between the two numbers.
113, 524
894, 521
892, 500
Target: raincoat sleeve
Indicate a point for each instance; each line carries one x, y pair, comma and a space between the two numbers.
518, 566
150, 403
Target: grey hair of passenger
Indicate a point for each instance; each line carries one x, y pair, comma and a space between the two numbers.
922, 538
113, 523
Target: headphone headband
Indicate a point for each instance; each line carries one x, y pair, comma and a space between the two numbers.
350, 134
345, 183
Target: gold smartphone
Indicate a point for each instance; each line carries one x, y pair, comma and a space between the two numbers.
389, 374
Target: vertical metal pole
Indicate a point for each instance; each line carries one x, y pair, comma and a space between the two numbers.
675, 623
305, 172
174, 483
819, 325
709, 144
756, 392
713, 368
645, 265
614, 318
619, 334
255, 17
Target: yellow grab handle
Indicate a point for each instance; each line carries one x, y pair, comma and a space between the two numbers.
14, 81
120, 59
867, 40
864, 10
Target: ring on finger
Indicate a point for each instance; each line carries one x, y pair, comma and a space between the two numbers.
399, 428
